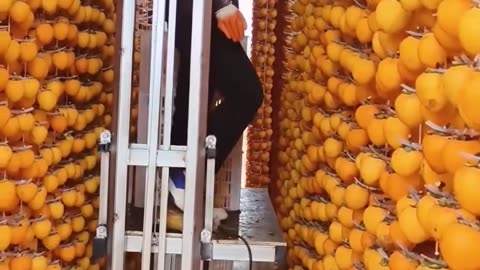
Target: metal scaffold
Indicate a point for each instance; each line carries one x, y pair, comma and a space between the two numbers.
136, 162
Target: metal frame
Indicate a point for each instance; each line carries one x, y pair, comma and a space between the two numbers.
221, 250
121, 134
197, 115
150, 155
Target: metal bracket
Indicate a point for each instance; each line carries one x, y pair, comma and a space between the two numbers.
211, 143
100, 242
206, 235
206, 251
101, 231
105, 141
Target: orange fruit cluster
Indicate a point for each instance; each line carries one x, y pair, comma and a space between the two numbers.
56, 80
135, 89
259, 134
379, 135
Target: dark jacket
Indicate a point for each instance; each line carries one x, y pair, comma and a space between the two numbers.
185, 7
184, 19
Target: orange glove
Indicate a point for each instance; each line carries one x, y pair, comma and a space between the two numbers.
231, 22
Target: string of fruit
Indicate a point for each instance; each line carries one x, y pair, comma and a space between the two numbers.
141, 24
380, 135
281, 142
283, 29
55, 92
259, 134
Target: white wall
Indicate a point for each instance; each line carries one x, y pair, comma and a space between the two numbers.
246, 7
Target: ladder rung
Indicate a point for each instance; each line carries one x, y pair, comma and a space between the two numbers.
223, 250
173, 158
237, 251
257, 224
133, 242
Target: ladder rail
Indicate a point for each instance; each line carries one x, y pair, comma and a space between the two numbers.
167, 130
150, 155
121, 133
156, 86
197, 115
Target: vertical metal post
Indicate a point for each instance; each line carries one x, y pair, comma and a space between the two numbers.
207, 232
124, 73
197, 116
100, 239
211, 143
154, 109
143, 113
167, 130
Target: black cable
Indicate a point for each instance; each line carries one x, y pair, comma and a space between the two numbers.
250, 260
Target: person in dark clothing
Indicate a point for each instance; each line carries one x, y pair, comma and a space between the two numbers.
231, 74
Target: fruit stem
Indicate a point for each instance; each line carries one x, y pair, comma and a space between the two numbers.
433, 261
341, 76
359, 226
384, 205
414, 34
38, 254
470, 157
466, 59
5, 255
24, 111
107, 68
349, 155
459, 61
436, 70
408, 253
382, 253
360, 5
358, 182
346, 45
411, 145
408, 89
413, 194
435, 191
319, 198
358, 265
56, 199
379, 155
38, 219
471, 224
22, 182
21, 148
438, 128
54, 262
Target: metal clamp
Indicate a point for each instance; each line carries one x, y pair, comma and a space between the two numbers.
101, 231
105, 141
211, 143
206, 234
100, 240
100, 243
206, 251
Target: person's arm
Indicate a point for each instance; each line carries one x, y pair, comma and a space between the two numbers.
230, 19
219, 4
